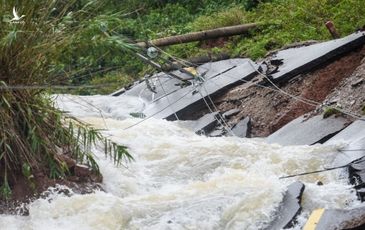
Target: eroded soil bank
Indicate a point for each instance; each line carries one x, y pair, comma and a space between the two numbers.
339, 83
81, 180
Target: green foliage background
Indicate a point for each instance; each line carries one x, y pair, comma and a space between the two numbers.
283, 22
48, 47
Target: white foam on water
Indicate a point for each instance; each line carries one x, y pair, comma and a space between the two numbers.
180, 180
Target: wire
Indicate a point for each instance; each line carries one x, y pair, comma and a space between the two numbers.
225, 124
277, 89
305, 100
159, 110
24, 87
168, 99
359, 160
350, 150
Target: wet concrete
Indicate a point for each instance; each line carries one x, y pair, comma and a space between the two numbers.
242, 128
353, 154
354, 135
203, 125
335, 219
289, 208
188, 99
303, 59
303, 131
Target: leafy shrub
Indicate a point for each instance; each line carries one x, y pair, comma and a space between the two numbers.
33, 134
329, 111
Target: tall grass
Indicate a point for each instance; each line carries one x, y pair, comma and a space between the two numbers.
33, 133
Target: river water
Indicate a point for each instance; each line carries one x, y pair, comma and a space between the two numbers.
180, 180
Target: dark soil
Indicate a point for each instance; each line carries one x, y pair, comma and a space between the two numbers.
270, 110
81, 180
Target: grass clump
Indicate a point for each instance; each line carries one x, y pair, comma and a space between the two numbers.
329, 111
229, 17
34, 135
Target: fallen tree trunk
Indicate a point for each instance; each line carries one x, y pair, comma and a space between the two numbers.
199, 36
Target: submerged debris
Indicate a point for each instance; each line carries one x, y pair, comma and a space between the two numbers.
289, 209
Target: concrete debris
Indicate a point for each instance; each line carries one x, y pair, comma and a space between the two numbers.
205, 124
303, 59
242, 128
354, 135
308, 132
231, 113
289, 208
218, 132
335, 219
171, 96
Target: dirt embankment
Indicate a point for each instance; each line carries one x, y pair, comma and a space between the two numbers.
81, 180
342, 81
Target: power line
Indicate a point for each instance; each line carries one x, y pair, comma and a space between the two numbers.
168, 99
159, 110
304, 100
25, 87
359, 160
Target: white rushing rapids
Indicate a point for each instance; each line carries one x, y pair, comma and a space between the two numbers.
181, 180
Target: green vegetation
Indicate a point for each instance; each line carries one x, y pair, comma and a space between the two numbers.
33, 134
329, 111
283, 22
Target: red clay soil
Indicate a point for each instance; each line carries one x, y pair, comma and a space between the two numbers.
270, 110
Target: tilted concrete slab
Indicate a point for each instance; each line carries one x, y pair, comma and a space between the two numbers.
333, 219
242, 128
303, 59
354, 136
203, 125
289, 208
165, 96
310, 131
187, 99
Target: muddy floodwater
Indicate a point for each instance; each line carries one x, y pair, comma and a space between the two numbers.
180, 180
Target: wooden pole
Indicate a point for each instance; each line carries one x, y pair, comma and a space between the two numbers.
199, 36
332, 29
